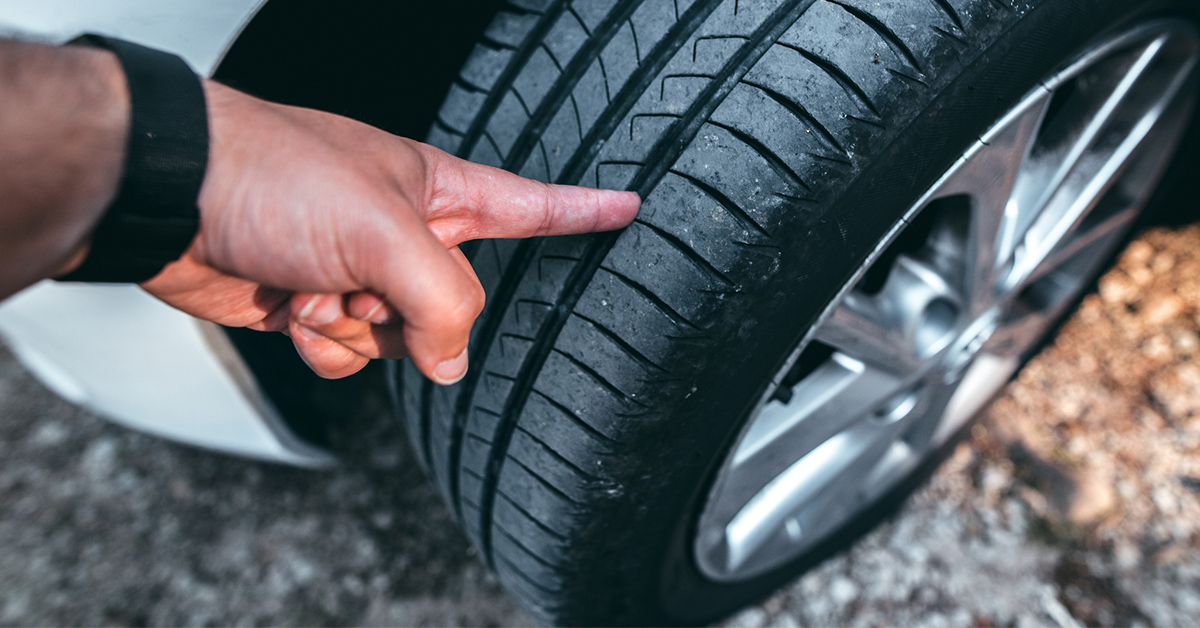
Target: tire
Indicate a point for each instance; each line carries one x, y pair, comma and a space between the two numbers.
778, 144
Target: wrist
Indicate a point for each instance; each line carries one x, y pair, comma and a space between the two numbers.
152, 218
64, 117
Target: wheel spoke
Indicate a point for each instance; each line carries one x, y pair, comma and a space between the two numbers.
1111, 227
835, 396
919, 432
763, 517
988, 175
897, 329
860, 327
851, 484
986, 376
1084, 168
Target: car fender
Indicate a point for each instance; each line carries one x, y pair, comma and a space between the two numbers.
113, 348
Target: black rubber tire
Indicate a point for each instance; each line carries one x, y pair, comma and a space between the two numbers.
774, 143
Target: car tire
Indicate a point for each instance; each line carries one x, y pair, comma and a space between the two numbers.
781, 148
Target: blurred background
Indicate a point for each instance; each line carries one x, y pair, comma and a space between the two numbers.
1076, 500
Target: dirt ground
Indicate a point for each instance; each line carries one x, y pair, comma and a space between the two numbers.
1075, 502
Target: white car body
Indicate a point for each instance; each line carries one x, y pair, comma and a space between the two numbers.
113, 348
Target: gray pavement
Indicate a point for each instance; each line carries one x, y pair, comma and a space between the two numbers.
1076, 501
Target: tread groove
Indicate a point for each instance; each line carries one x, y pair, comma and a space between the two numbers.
557, 456
521, 509
525, 548
543, 481
469, 86
529, 580
508, 76
726, 203
521, 100
553, 59
773, 160
907, 77
568, 78
951, 13
441, 124
496, 45
837, 74
637, 52
634, 118
958, 39
893, 41
802, 114
472, 473
696, 44
600, 379
519, 264
637, 356
669, 311
628, 95
696, 259
582, 24
575, 418
662, 91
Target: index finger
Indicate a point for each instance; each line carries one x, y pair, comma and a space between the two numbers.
470, 201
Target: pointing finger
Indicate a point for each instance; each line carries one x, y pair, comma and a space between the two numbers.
471, 201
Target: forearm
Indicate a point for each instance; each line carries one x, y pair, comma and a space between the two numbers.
64, 117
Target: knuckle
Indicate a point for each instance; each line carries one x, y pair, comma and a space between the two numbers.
462, 314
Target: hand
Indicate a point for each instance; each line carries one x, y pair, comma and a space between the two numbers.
346, 237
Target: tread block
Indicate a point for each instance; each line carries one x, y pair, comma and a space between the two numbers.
440, 136
565, 39
644, 255
634, 313
460, 107
485, 153
620, 58
506, 124
532, 87
561, 137
592, 12
535, 494
553, 466
537, 536
621, 365
485, 65
652, 21
857, 68
562, 428
510, 28
528, 562
567, 380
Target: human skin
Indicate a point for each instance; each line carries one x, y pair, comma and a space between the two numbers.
341, 235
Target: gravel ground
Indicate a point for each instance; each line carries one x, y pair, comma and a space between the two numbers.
1075, 501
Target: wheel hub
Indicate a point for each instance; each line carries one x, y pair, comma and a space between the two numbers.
968, 345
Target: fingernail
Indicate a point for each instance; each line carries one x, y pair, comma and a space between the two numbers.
451, 371
320, 310
307, 332
379, 315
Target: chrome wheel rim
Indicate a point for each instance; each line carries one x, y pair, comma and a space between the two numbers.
943, 312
